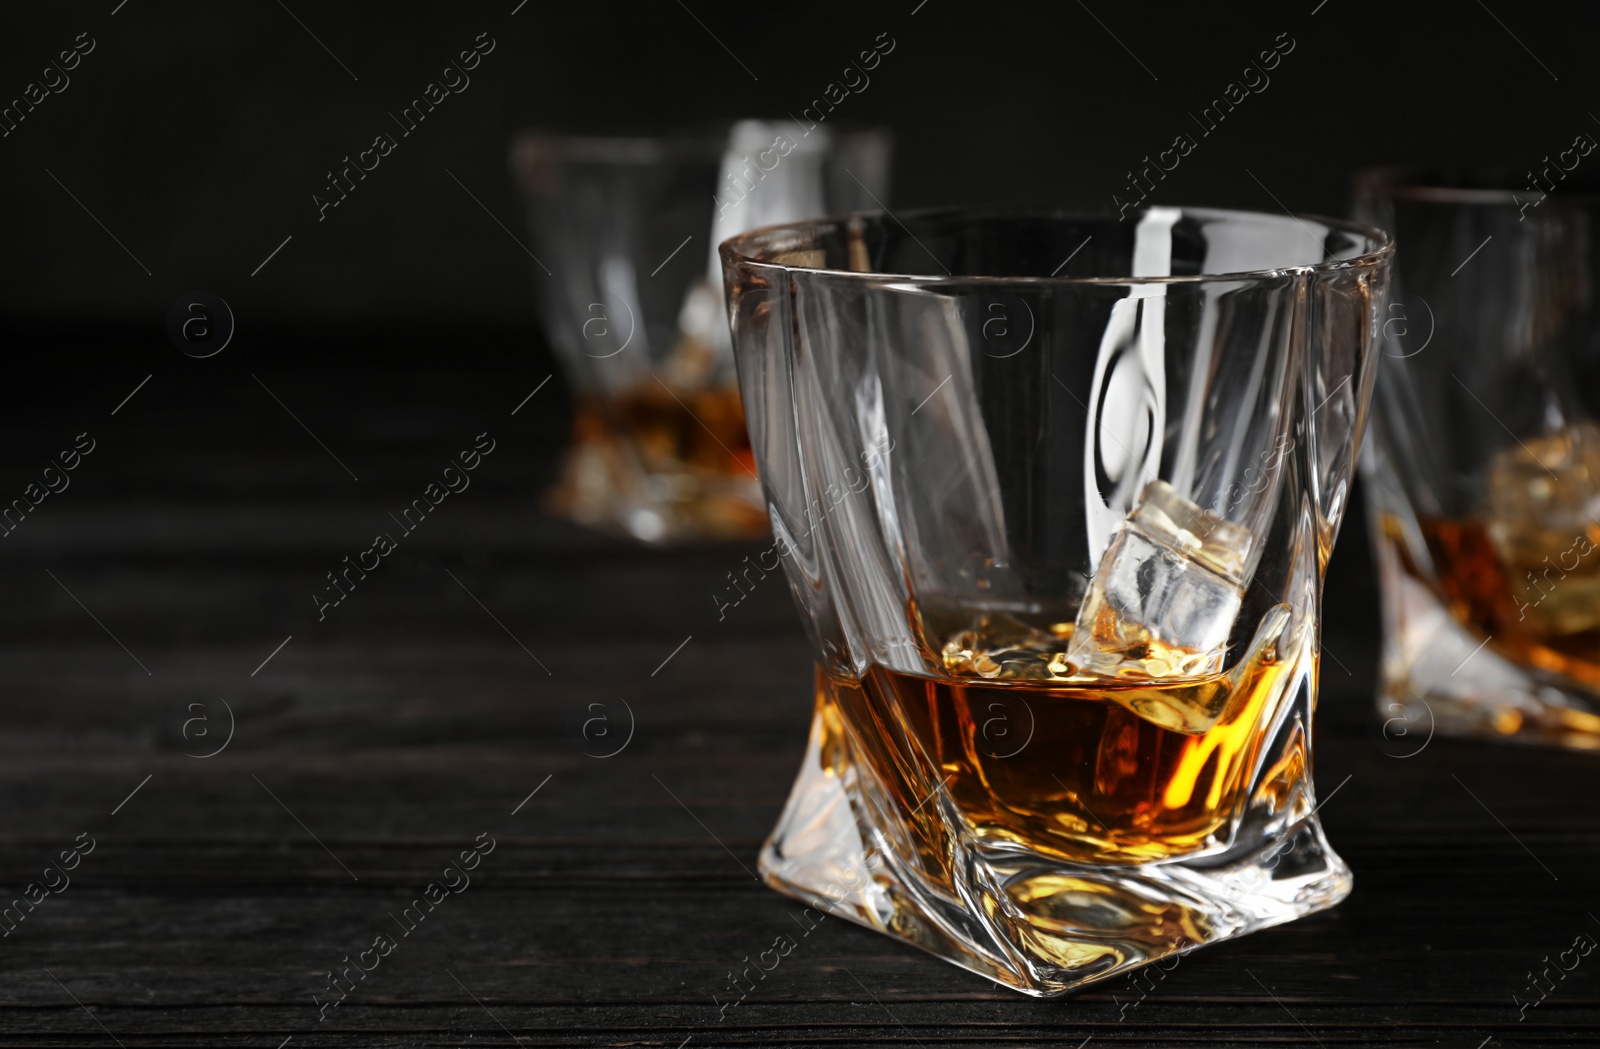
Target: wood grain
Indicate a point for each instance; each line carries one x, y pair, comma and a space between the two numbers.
409, 721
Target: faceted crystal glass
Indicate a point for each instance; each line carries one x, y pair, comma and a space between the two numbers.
629, 286
1484, 471
1054, 494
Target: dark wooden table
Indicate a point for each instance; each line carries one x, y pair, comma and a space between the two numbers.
444, 699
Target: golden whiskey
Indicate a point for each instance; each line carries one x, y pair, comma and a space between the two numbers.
681, 459
1034, 756
1541, 608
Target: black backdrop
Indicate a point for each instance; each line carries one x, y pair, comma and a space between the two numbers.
198, 132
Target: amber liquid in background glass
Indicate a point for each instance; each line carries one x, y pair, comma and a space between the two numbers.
1542, 610
701, 430
1525, 569
1066, 770
691, 445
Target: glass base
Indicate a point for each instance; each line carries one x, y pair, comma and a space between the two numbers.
1441, 677
1034, 923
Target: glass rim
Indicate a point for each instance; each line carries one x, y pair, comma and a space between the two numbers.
620, 148
738, 249
709, 139
1440, 185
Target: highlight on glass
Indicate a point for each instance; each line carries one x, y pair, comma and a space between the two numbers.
1484, 470
1055, 494
629, 287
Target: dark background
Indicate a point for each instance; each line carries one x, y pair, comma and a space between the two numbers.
198, 132
403, 325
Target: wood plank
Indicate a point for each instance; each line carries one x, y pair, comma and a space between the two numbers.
409, 721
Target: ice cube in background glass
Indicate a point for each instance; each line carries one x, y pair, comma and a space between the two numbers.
1543, 502
1165, 594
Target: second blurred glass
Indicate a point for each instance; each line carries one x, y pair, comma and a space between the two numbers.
632, 305
1484, 472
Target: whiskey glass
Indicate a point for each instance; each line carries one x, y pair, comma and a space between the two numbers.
1484, 470
1054, 494
627, 229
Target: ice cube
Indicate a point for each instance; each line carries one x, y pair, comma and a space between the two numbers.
1195, 708
1543, 501
1165, 594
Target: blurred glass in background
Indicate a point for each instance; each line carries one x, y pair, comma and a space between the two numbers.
1484, 469
627, 228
